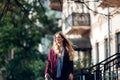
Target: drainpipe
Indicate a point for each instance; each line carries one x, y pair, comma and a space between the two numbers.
109, 49
109, 52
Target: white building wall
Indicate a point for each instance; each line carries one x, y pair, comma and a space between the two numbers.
99, 25
99, 31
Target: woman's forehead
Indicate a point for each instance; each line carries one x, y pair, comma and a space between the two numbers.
57, 35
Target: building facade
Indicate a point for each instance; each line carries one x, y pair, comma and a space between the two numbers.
105, 29
92, 25
94, 28
76, 26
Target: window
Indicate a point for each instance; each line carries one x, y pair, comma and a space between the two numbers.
97, 52
118, 42
106, 48
118, 47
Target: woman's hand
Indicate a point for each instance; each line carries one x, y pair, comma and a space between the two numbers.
46, 75
70, 76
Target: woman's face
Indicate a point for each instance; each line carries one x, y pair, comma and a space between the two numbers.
58, 39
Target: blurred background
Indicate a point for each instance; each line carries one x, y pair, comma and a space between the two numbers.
26, 34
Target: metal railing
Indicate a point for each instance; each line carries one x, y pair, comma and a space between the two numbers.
108, 69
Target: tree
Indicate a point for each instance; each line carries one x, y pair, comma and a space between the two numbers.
22, 24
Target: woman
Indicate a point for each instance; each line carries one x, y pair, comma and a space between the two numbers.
60, 60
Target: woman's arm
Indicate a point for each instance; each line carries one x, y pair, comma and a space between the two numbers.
71, 70
71, 66
47, 69
71, 76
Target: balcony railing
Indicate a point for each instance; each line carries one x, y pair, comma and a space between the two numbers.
78, 19
81, 19
77, 22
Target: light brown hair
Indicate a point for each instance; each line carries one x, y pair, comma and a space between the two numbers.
67, 44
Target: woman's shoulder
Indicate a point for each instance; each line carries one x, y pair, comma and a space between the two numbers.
52, 51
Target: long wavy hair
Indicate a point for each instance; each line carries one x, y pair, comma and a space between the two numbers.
67, 44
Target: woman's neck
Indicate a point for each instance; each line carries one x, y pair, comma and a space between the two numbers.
60, 45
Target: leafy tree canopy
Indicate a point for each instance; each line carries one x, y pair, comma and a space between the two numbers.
22, 24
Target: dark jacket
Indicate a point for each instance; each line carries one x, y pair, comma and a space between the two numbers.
51, 66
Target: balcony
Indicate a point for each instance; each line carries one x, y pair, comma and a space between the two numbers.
110, 3
56, 5
77, 23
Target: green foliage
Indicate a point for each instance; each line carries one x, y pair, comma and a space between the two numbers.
26, 67
20, 36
